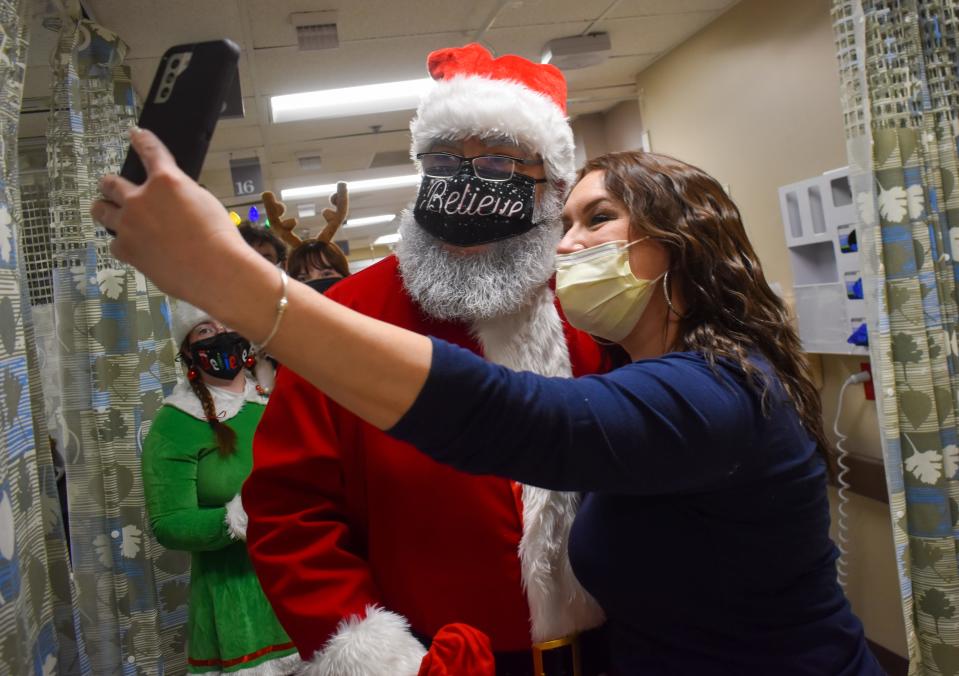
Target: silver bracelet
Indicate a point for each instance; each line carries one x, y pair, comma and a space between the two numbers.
280, 309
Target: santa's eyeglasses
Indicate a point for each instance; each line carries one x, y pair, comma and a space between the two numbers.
486, 167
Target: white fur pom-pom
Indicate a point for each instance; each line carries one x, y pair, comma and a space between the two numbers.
236, 518
380, 644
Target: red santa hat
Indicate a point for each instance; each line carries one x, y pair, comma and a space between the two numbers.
478, 95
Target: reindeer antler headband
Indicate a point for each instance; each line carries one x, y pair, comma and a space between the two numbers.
335, 217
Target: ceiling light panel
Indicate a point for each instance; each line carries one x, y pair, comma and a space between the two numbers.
387, 240
346, 101
369, 220
355, 187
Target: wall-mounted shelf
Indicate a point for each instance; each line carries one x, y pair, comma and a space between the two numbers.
820, 221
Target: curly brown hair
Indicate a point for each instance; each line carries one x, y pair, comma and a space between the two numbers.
730, 309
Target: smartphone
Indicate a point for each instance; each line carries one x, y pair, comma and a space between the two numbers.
186, 98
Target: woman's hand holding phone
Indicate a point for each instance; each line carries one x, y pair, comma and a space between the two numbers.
172, 230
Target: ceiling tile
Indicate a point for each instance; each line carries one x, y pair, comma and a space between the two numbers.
615, 71
234, 137
288, 71
539, 12
640, 7
150, 27
363, 21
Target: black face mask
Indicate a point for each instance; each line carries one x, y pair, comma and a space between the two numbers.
322, 285
464, 210
221, 356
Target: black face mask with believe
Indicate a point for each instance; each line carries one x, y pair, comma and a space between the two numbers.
464, 210
221, 356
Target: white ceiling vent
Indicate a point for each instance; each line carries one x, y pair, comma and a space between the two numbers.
579, 51
309, 161
315, 30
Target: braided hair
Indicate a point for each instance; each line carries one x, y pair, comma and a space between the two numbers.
225, 436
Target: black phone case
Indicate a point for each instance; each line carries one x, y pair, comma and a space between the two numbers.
186, 120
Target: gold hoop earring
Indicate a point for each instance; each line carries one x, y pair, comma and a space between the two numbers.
669, 301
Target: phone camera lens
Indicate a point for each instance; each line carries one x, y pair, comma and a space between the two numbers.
165, 91
169, 77
174, 63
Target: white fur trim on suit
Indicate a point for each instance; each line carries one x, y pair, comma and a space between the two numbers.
226, 403
533, 340
236, 519
558, 604
471, 105
264, 373
378, 645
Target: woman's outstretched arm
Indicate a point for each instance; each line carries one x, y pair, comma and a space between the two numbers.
180, 236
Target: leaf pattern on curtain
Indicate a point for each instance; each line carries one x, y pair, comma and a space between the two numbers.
36, 624
115, 363
900, 95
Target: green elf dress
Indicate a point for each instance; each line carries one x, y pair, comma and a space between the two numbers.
192, 494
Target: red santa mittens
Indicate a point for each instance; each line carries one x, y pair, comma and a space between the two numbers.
459, 650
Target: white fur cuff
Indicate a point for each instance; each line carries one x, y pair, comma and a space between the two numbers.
236, 518
378, 645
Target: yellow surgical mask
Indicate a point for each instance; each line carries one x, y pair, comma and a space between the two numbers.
599, 292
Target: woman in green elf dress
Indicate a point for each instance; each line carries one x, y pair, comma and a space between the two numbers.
195, 459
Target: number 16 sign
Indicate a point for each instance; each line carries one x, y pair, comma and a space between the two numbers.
247, 176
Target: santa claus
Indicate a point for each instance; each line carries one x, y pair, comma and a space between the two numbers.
368, 549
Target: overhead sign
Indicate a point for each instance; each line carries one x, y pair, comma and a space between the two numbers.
247, 176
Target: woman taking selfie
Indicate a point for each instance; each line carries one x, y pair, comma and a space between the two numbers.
195, 459
704, 530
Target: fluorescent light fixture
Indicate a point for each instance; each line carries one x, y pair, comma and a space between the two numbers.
369, 220
387, 239
306, 210
355, 187
347, 101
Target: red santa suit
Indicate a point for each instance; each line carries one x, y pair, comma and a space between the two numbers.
360, 541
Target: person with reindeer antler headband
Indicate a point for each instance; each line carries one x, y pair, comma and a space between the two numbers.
319, 263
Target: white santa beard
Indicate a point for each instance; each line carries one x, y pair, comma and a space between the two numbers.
492, 283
